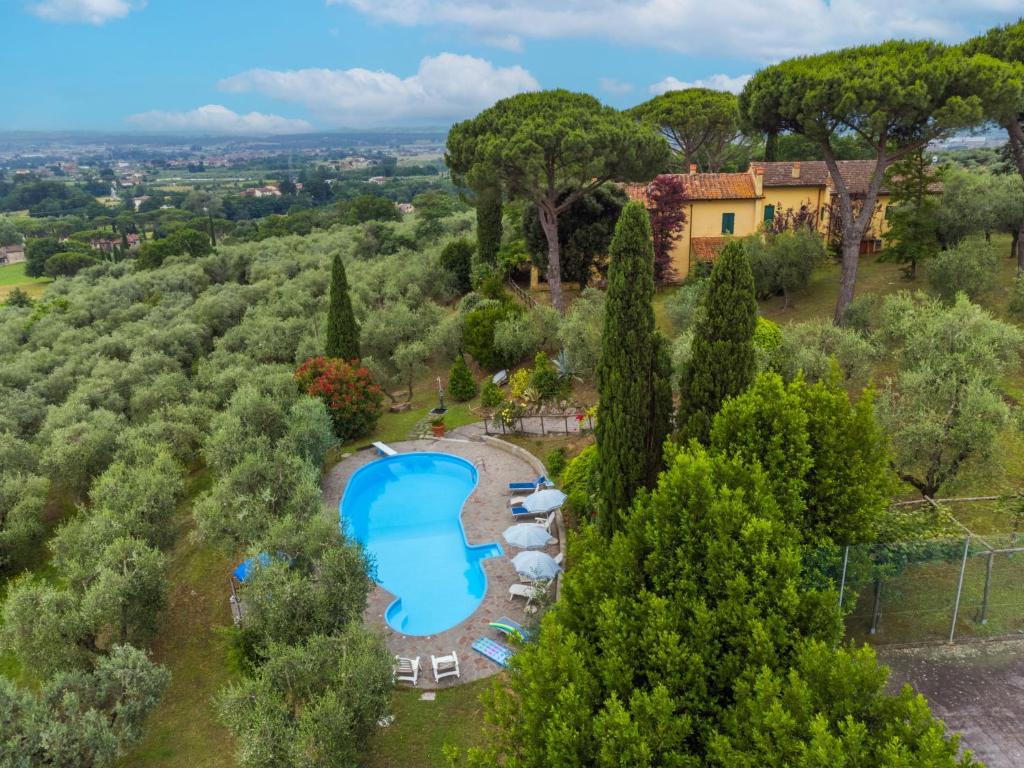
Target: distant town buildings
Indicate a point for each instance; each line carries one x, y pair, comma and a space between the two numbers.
111, 244
405, 207
265, 191
377, 180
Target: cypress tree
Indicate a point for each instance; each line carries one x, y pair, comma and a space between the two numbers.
342, 330
631, 409
659, 424
488, 223
722, 360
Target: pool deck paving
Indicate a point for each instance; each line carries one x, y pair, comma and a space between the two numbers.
485, 515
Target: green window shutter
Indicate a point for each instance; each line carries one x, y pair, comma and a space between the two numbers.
728, 223
769, 213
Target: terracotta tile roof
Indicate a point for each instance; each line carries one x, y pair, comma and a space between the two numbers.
814, 173
636, 192
703, 186
718, 186
707, 248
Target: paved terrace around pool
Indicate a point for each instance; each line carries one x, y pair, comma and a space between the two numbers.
484, 517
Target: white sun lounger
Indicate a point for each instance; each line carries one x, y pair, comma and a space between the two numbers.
445, 666
385, 450
529, 591
407, 670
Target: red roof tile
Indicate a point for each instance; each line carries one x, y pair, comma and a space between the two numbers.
707, 248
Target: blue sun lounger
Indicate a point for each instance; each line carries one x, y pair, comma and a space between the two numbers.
531, 485
510, 627
496, 652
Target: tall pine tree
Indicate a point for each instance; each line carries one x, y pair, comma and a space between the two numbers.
342, 330
722, 360
632, 374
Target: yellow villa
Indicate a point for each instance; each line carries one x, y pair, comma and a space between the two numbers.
724, 205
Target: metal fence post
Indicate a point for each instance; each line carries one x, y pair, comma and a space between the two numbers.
988, 581
842, 578
542, 432
876, 612
959, 588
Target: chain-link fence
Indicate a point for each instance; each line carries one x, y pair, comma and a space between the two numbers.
937, 590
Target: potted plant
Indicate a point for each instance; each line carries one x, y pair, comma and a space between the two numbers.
437, 426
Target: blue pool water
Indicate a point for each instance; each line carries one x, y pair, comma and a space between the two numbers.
406, 511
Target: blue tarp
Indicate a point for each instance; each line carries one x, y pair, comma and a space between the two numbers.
242, 571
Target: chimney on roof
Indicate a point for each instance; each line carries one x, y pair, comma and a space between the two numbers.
693, 168
796, 170
759, 182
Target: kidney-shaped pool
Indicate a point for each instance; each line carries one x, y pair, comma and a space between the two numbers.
406, 510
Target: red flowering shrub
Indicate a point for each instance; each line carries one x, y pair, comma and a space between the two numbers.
352, 397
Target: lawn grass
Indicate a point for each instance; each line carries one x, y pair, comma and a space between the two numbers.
13, 276
422, 728
184, 730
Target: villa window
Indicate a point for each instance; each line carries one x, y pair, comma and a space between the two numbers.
769, 213
728, 223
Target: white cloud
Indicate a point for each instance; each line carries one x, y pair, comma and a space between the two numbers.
714, 82
739, 28
215, 118
512, 43
612, 85
446, 87
84, 11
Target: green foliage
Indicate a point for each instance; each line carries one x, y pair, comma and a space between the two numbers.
896, 96
783, 262
556, 463
22, 498
944, 406
314, 704
579, 483
82, 718
970, 268
631, 426
461, 384
832, 703
18, 298
722, 359
659, 625
685, 305
364, 208
551, 148
701, 125
456, 261
546, 379
580, 334
1016, 304
478, 335
342, 329
488, 223
585, 231
813, 347
491, 395
431, 208
354, 401
913, 212
827, 461
184, 241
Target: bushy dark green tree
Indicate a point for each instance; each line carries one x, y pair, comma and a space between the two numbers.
913, 213
457, 262
584, 233
722, 361
629, 372
461, 385
488, 223
342, 329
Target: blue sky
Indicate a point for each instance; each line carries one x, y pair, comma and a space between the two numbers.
278, 66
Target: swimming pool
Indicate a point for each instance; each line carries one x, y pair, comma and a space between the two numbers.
406, 510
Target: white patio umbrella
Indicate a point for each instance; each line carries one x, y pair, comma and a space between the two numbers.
541, 502
527, 535
535, 565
